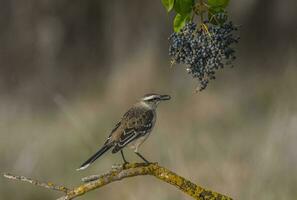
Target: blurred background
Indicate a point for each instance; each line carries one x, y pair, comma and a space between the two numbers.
70, 69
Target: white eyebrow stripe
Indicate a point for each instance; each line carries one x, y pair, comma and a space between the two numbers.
149, 97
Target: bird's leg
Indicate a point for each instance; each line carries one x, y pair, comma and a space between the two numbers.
125, 161
145, 160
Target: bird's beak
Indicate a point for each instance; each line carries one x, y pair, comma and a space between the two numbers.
165, 97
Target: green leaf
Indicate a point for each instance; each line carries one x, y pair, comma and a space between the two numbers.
218, 3
180, 21
168, 4
183, 7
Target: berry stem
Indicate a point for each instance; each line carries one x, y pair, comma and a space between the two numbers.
201, 4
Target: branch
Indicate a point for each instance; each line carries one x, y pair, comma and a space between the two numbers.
48, 185
130, 170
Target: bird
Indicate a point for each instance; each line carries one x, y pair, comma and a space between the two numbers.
132, 130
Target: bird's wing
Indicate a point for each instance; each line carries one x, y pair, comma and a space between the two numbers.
136, 123
109, 140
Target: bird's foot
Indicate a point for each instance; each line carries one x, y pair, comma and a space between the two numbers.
125, 164
147, 162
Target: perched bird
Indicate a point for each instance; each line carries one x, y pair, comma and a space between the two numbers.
132, 130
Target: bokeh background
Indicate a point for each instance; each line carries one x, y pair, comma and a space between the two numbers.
70, 69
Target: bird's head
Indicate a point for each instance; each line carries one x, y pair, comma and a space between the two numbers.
154, 99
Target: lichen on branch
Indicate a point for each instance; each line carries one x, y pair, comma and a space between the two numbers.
129, 170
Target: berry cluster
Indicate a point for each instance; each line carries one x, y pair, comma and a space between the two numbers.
204, 50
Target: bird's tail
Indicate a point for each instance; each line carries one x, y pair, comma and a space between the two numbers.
94, 157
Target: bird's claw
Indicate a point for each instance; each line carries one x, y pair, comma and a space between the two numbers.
125, 164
